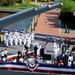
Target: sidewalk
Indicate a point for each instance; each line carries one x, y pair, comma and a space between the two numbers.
52, 26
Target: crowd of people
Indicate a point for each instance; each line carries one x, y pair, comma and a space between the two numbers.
63, 55
18, 38
23, 55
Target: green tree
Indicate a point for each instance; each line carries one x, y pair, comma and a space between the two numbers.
20, 1
28, 1
5, 2
66, 14
48, 0
68, 5
1, 2
8, 2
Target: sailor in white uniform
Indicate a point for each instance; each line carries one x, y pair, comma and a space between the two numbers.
15, 40
20, 40
56, 49
27, 33
16, 33
6, 33
11, 41
28, 41
7, 41
4, 37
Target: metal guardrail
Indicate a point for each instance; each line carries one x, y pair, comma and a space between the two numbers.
51, 38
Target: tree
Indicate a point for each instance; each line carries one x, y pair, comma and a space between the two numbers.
20, 1
66, 14
68, 5
8, 2
27, 2
1, 2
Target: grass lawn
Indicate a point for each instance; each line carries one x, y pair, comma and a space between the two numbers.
20, 6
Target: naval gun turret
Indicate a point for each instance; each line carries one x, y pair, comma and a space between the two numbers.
26, 14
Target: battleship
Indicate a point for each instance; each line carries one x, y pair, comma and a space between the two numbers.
8, 68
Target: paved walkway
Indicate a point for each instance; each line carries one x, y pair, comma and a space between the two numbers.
52, 26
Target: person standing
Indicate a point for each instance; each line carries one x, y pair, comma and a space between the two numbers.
42, 52
7, 41
56, 48
16, 40
45, 49
29, 41
63, 48
20, 40
24, 39
2, 53
35, 51
5, 37
73, 48
23, 52
26, 47
5, 52
11, 40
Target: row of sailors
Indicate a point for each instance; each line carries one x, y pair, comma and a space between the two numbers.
15, 38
